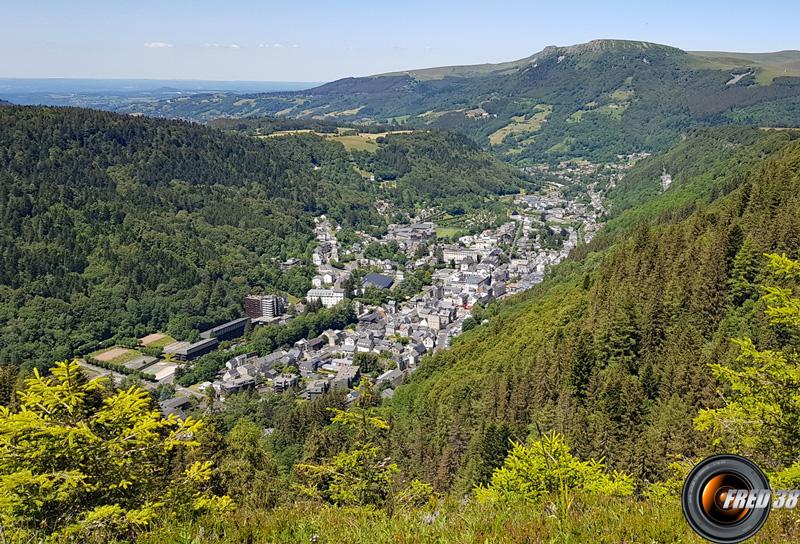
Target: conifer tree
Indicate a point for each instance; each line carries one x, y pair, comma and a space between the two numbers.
79, 459
761, 412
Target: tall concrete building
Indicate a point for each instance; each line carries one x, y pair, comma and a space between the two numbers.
264, 306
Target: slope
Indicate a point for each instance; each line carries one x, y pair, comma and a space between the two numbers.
115, 226
592, 100
612, 349
768, 65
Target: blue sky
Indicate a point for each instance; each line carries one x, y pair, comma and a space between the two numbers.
324, 40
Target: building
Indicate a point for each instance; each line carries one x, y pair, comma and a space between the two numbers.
162, 370
185, 351
394, 377
309, 367
457, 254
284, 382
328, 297
316, 344
175, 406
315, 389
269, 306
227, 331
346, 377
378, 280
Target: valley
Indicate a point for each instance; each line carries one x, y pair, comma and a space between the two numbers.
510, 302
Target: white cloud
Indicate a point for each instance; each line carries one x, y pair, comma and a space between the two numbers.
277, 45
222, 45
157, 45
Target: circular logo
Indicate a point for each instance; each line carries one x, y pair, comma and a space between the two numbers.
726, 499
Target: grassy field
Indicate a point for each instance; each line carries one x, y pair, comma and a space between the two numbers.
605, 520
769, 65
449, 232
159, 341
356, 142
522, 124
361, 141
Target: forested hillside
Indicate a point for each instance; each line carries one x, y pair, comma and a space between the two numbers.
592, 100
431, 166
618, 365
115, 226
570, 411
613, 350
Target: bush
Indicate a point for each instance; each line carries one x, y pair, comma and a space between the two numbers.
546, 466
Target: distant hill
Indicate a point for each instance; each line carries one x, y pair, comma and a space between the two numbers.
592, 100
767, 65
114, 225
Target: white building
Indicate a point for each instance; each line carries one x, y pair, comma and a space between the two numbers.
328, 297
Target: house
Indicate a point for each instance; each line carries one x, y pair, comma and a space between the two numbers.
316, 344
238, 384
309, 367
430, 318
349, 344
315, 389
284, 382
346, 377
393, 377
328, 274
175, 406
289, 263
231, 374
442, 340
237, 361
268, 361
364, 344
411, 357
387, 393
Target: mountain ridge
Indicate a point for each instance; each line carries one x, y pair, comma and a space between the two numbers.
547, 51
594, 100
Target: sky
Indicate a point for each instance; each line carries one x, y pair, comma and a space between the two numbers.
297, 40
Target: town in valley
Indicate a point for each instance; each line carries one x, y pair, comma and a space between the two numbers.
454, 274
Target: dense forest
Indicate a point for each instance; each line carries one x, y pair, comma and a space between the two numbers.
115, 226
414, 162
593, 100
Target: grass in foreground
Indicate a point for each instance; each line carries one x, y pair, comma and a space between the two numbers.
599, 520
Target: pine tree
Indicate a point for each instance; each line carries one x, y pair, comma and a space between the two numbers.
744, 270
761, 414
80, 459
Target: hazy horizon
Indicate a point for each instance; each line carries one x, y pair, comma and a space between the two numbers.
317, 41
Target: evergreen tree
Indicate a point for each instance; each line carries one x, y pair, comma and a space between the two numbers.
78, 459
761, 413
